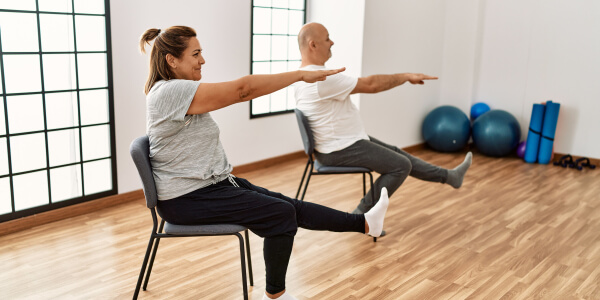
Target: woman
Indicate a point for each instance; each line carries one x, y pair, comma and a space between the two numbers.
192, 174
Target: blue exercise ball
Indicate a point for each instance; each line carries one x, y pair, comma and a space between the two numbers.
479, 109
446, 129
496, 133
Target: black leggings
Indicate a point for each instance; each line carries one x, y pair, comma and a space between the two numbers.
271, 215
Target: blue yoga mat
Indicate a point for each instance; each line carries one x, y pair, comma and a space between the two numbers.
548, 131
534, 134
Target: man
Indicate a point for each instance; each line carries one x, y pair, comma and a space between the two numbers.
340, 137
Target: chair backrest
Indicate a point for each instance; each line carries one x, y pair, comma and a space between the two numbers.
140, 152
305, 132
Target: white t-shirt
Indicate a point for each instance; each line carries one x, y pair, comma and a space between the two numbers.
335, 121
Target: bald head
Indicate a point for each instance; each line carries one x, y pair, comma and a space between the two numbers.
309, 32
314, 44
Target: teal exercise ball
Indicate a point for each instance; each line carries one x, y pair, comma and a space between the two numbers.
446, 129
496, 133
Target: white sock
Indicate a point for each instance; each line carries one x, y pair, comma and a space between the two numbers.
375, 215
456, 175
284, 296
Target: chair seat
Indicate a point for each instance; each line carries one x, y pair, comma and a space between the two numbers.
202, 229
337, 170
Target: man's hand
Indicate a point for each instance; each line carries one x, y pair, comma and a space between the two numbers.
417, 78
318, 75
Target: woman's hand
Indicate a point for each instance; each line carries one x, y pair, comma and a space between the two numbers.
318, 75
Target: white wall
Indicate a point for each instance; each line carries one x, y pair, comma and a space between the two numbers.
509, 54
402, 36
223, 29
533, 51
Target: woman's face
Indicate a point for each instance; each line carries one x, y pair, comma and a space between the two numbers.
189, 65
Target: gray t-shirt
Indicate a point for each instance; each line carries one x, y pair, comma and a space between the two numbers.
185, 150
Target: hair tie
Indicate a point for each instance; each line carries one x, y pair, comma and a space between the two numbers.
158, 32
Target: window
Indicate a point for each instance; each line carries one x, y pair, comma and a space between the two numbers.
56, 120
274, 48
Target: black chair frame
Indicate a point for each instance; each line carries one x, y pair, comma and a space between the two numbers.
155, 239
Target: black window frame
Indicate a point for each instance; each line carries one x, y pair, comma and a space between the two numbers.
252, 34
15, 214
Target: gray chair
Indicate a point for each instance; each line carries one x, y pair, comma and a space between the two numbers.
140, 152
317, 168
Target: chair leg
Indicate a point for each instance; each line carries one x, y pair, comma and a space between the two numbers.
302, 181
249, 258
242, 255
306, 185
144, 264
160, 229
364, 184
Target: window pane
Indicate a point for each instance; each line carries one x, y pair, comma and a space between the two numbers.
28, 152
61, 110
25, 195
293, 65
297, 4
3, 157
95, 142
97, 176
91, 34
279, 67
92, 70
63, 147
260, 105
57, 32
59, 72
262, 3
89, 6
2, 120
279, 100
280, 21
293, 50
18, 5
296, 21
22, 73
279, 47
55, 5
65, 183
1, 91
94, 107
19, 32
5, 206
261, 20
261, 68
280, 3
25, 113
261, 47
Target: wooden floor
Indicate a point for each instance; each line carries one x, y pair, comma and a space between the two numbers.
513, 231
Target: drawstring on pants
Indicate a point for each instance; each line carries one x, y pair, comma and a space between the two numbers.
231, 179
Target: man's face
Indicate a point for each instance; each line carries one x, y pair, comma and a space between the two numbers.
323, 43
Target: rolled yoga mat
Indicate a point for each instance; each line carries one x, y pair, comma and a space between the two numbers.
548, 131
534, 134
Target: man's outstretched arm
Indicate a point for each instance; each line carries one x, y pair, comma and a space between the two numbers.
379, 83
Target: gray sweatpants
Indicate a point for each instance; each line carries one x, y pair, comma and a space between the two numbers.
391, 162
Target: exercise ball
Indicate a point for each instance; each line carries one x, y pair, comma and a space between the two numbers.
478, 109
521, 149
446, 129
496, 133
